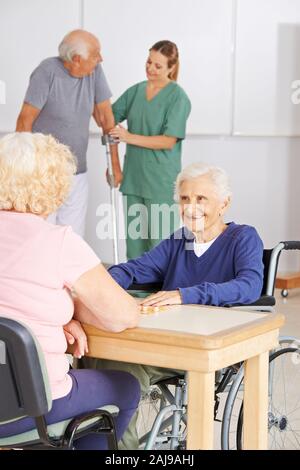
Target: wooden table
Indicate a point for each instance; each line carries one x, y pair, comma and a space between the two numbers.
202, 340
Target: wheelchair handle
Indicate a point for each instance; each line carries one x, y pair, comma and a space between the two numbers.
291, 245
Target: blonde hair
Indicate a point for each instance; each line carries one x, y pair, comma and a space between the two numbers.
218, 176
36, 173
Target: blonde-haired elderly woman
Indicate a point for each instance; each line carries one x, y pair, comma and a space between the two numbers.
41, 264
207, 261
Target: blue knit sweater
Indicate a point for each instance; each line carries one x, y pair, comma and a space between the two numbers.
229, 272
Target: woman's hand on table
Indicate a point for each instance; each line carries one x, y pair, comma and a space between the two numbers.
75, 334
161, 298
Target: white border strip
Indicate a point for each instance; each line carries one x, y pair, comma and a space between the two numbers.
233, 64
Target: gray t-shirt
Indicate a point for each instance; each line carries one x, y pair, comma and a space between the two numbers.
66, 104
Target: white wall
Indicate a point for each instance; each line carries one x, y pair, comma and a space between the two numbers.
265, 180
264, 171
29, 32
267, 62
203, 31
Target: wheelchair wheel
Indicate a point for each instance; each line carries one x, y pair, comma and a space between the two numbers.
149, 408
162, 422
231, 413
284, 404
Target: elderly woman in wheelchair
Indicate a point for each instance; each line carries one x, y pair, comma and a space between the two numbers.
207, 261
41, 266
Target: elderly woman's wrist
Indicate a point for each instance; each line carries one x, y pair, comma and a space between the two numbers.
187, 295
180, 295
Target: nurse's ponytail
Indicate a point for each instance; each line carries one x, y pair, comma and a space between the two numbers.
169, 50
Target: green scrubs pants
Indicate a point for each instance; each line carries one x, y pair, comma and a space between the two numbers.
147, 222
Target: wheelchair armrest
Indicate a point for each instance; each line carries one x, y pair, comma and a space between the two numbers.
263, 301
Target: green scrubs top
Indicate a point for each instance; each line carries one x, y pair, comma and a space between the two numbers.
148, 173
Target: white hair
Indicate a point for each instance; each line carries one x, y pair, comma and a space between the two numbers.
71, 46
218, 176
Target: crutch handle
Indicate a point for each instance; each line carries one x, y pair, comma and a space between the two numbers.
108, 139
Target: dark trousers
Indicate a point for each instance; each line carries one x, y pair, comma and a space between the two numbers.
91, 389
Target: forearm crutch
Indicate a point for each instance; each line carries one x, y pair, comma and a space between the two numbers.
107, 140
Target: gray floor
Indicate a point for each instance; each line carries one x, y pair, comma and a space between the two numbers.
290, 307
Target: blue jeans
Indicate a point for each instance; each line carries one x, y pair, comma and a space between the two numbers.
91, 389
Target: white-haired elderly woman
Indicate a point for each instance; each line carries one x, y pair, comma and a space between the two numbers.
41, 264
207, 261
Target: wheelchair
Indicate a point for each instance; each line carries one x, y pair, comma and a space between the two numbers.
166, 401
25, 392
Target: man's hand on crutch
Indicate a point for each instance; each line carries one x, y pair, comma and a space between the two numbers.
114, 173
117, 179
109, 143
104, 118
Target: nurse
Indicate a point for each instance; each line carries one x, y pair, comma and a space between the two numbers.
156, 111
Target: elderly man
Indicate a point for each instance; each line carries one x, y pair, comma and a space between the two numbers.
63, 93
206, 262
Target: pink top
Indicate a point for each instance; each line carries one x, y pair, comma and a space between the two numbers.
39, 261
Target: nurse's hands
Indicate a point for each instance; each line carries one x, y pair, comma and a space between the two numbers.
75, 334
171, 297
119, 132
